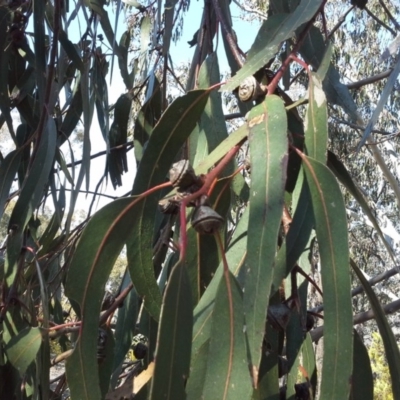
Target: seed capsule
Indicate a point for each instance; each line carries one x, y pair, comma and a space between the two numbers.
205, 220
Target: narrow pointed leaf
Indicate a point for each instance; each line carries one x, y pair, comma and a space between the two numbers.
172, 359
341, 173
297, 238
316, 120
166, 140
235, 257
30, 196
227, 375
8, 170
331, 228
269, 154
21, 350
273, 32
362, 383
389, 341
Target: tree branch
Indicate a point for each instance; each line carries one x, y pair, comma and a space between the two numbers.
360, 318
371, 79
373, 16
395, 23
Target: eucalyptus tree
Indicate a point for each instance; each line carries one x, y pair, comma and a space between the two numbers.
235, 226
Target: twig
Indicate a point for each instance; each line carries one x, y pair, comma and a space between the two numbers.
128, 145
373, 16
371, 79
208, 182
340, 22
228, 33
355, 126
274, 83
373, 281
360, 318
395, 23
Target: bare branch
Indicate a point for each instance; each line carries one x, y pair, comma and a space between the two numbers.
371, 79
379, 21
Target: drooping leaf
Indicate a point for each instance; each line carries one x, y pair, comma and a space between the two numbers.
362, 382
21, 350
273, 32
124, 44
313, 50
297, 237
126, 325
167, 138
117, 162
30, 196
316, 120
8, 170
172, 359
268, 154
235, 256
227, 360
331, 228
389, 341
341, 173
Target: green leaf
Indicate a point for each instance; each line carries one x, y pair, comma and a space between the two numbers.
88, 273
227, 375
232, 140
331, 228
316, 120
117, 162
341, 173
198, 369
268, 379
125, 329
272, 33
172, 359
40, 49
147, 117
212, 122
235, 258
309, 364
8, 169
169, 8
167, 138
313, 50
124, 44
21, 350
30, 196
297, 237
73, 114
389, 341
268, 154
362, 382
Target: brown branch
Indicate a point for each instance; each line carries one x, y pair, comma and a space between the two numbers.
274, 83
371, 79
360, 318
232, 42
373, 16
395, 23
340, 22
362, 128
373, 281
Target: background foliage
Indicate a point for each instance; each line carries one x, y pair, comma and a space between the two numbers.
217, 284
